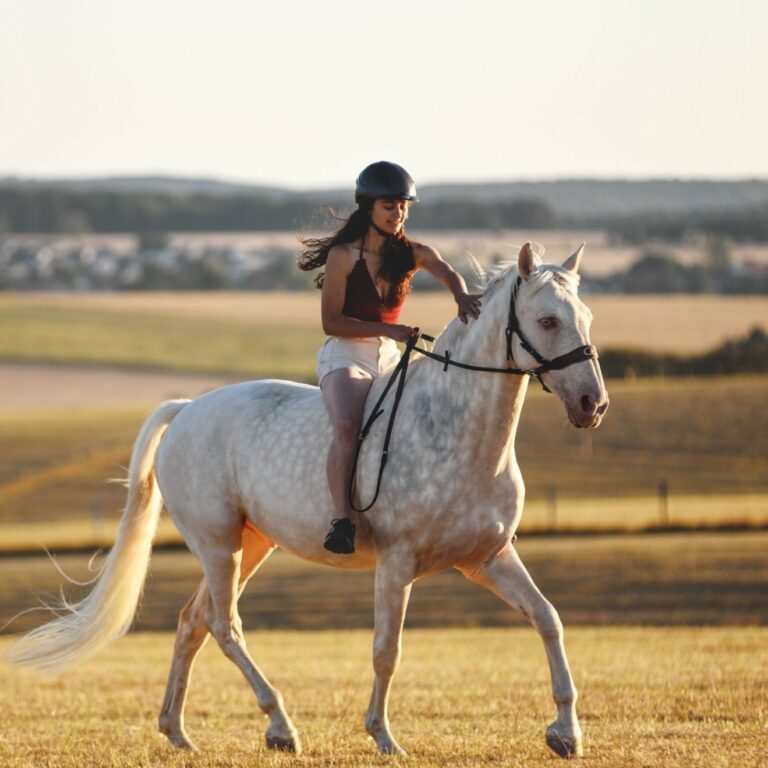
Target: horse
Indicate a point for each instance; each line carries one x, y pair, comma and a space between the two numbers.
241, 471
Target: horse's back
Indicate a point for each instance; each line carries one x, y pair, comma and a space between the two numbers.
258, 449
248, 414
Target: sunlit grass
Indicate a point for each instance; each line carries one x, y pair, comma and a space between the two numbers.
655, 698
675, 578
707, 439
234, 329
71, 333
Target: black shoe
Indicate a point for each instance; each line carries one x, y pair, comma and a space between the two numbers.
341, 537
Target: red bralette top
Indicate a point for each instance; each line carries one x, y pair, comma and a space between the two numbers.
363, 302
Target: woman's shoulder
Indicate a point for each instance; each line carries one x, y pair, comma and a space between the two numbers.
343, 256
423, 251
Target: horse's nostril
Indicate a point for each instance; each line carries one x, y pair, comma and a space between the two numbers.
601, 409
586, 404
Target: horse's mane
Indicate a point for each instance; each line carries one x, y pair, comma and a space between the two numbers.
486, 281
544, 274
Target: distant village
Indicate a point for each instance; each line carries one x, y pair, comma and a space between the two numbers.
150, 262
147, 266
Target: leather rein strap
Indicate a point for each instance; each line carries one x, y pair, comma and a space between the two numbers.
579, 355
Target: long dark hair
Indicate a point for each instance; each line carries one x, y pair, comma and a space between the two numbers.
397, 262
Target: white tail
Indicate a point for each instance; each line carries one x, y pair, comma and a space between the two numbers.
107, 612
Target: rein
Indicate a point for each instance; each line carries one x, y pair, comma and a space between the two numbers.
578, 355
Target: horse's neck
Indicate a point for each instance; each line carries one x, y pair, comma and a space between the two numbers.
483, 407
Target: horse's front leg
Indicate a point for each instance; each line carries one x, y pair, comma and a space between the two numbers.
506, 576
394, 576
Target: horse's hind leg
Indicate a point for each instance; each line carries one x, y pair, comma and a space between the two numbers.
506, 576
193, 634
190, 638
222, 563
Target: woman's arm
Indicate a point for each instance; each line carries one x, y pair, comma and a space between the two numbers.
428, 258
338, 267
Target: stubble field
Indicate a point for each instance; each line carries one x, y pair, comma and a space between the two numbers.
95, 365
260, 335
650, 698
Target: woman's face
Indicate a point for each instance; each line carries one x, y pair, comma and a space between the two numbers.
389, 215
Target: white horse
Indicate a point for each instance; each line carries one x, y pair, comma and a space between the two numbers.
241, 471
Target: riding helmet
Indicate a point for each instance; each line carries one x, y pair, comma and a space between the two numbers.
387, 181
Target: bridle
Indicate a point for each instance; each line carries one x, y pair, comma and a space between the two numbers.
578, 355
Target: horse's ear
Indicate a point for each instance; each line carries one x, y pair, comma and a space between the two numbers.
573, 261
526, 262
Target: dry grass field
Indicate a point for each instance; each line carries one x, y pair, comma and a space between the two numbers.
650, 698
92, 326
76, 332
706, 438
666, 579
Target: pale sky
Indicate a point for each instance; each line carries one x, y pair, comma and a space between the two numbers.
304, 94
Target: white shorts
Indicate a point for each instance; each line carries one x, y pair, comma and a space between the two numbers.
373, 356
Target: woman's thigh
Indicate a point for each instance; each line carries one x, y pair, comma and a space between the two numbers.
344, 391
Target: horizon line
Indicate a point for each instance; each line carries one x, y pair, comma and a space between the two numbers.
6, 177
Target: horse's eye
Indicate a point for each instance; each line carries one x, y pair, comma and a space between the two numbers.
548, 323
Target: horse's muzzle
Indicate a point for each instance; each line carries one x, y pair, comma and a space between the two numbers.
588, 412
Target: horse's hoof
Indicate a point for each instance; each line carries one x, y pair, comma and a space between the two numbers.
179, 739
393, 749
284, 743
388, 746
565, 746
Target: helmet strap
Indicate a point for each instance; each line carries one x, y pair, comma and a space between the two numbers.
386, 235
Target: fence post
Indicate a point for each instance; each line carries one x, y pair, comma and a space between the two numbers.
664, 503
551, 507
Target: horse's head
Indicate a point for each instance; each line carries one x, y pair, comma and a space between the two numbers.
554, 321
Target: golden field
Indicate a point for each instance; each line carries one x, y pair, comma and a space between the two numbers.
664, 579
706, 438
675, 323
652, 694
650, 698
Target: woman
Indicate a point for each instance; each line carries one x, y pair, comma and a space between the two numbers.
369, 263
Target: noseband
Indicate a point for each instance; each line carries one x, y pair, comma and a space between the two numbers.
578, 355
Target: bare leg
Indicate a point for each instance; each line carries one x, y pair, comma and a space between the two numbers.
393, 588
344, 392
507, 577
193, 633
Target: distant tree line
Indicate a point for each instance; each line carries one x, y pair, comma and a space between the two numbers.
60, 210
748, 354
54, 210
740, 225
42, 210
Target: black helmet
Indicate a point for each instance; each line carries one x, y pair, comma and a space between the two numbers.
388, 181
